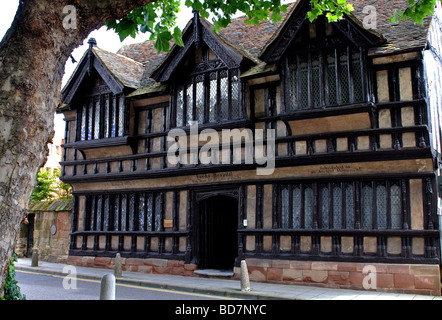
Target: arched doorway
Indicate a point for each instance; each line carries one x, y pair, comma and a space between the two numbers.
218, 238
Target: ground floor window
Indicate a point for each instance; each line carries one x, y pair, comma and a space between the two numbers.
124, 212
368, 205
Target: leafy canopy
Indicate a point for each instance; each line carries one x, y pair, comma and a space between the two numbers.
50, 187
159, 18
417, 11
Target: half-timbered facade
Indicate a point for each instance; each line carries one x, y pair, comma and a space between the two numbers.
341, 114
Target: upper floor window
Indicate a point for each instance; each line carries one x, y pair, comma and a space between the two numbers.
209, 93
102, 116
325, 78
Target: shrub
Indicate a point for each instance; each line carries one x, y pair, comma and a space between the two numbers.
11, 289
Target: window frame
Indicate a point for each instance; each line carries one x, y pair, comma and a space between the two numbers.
295, 57
340, 199
110, 108
205, 71
124, 212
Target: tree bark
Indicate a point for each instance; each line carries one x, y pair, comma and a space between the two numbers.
33, 54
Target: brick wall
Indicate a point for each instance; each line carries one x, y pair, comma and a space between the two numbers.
401, 278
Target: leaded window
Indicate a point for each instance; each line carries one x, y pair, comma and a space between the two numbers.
210, 93
325, 78
368, 205
102, 116
124, 212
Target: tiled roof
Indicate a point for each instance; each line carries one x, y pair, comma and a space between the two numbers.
251, 39
405, 35
146, 54
52, 205
127, 71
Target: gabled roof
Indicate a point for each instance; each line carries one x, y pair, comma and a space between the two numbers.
286, 34
118, 71
195, 33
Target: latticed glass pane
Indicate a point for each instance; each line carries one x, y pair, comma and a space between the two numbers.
131, 213
324, 207
337, 207
97, 119
180, 107
293, 103
92, 216
284, 207
149, 205
116, 213
106, 117
303, 78
236, 102
99, 213
158, 209
106, 213
90, 121
224, 101
83, 122
367, 207
395, 207
331, 79
357, 78
349, 207
200, 99
308, 208
123, 213
316, 82
121, 117
141, 211
213, 103
189, 95
114, 116
296, 207
381, 206
343, 71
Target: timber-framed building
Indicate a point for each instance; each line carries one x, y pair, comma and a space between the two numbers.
357, 144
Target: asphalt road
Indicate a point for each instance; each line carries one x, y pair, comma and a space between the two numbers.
50, 287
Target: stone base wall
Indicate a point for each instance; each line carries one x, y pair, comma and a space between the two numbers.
400, 278
150, 266
52, 226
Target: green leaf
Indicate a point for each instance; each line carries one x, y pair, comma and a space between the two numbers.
162, 43
178, 37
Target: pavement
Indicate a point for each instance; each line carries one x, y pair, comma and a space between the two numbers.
220, 287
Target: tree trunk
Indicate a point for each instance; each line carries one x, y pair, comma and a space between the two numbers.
32, 58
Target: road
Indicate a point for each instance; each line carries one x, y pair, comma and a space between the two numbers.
38, 286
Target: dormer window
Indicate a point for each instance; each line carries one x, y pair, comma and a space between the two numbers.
322, 64
209, 93
325, 78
